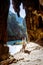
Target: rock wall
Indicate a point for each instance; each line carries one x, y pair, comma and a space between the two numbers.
4, 8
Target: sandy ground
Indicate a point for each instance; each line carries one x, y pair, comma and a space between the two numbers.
34, 58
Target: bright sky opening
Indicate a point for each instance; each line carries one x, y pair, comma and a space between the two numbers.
22, 11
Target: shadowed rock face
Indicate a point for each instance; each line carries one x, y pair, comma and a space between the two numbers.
4, 8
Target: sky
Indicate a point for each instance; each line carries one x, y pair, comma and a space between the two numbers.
22, 11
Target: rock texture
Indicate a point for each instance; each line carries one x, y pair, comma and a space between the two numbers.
35, 57
4, 8
4, 52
